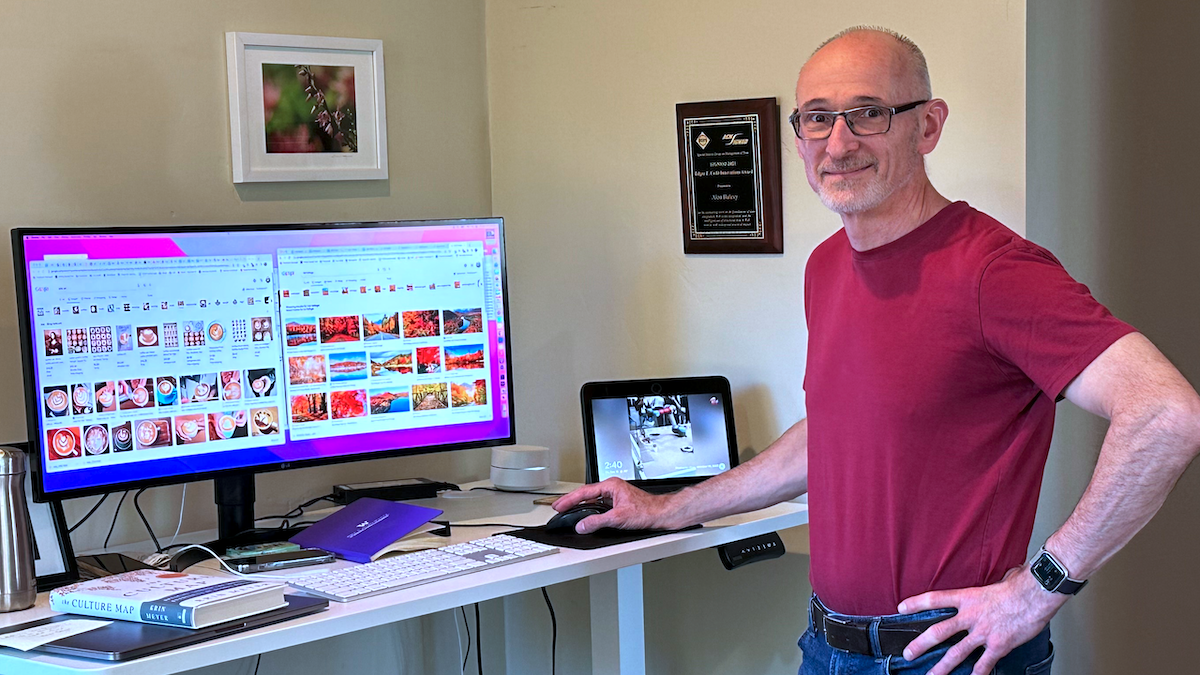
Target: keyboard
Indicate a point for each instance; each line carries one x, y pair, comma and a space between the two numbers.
421, 567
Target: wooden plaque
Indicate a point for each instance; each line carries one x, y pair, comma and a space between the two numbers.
729, 176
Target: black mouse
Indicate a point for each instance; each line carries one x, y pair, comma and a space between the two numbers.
565, 522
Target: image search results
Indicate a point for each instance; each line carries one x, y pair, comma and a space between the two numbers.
384, 337
181, 356
103, 321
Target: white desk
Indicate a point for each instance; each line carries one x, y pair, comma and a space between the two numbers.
615, 572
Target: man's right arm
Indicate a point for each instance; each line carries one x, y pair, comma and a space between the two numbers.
776, 474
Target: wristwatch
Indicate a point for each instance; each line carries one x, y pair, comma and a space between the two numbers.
1052, 574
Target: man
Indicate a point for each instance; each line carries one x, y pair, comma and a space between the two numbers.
939, 342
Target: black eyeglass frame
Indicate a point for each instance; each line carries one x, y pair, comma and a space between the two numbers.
794, 119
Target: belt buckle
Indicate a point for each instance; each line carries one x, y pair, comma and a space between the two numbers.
848, 636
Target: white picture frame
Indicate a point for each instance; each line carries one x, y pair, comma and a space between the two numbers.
356, 152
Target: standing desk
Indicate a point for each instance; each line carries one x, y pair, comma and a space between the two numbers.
615, 588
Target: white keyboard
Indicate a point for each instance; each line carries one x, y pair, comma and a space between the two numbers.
422, 567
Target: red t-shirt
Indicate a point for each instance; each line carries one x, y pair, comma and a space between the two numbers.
934, 363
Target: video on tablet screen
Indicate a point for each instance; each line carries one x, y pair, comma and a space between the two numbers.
657, 437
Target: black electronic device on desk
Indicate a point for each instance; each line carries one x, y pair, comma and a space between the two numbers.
660, 435
107, 564
402, 489
282, 560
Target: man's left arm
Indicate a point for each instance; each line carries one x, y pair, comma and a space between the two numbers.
1153, 434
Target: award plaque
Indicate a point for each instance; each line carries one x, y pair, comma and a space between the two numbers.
729, 176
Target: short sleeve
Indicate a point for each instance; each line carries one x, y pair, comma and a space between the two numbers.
1038, 319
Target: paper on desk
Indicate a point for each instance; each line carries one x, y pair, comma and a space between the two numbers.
48, 632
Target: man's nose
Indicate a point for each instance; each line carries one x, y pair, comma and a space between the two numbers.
841, 141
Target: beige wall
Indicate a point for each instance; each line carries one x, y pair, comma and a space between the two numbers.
584, 167
1112, 185
118, 114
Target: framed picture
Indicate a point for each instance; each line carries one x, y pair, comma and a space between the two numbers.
53, 557
305, 108
729, 176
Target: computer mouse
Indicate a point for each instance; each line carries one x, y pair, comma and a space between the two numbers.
565, 522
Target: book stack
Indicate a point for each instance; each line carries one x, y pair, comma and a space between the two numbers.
168, 598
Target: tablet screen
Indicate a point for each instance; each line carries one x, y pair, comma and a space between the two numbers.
669, 436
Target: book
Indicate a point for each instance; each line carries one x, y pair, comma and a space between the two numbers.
168, 598
366, 528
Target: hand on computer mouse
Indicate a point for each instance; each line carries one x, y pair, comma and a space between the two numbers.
569, 519
632, 509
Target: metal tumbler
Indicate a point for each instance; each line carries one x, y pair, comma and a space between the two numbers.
18, 582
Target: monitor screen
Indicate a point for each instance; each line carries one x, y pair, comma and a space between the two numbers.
669, 436
158, 355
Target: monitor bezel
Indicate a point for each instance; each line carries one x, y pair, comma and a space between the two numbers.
32, 399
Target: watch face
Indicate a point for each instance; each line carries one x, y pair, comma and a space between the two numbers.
1047, 572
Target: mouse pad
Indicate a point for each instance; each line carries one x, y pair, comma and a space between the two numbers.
587, 542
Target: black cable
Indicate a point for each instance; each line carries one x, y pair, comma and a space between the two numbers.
116, 513
89, 514
478, 641
299, 510
520, 492
138, 507
553, 632
301, 523
463, 611
171, 546
257, 663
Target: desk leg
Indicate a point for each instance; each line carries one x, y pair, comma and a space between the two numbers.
618, 622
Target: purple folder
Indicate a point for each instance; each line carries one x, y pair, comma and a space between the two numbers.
364, 527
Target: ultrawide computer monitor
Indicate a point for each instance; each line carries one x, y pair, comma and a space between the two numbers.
162, 355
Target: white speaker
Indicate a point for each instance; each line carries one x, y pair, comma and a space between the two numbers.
520, 468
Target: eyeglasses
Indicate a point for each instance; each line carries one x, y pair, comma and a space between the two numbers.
869, 120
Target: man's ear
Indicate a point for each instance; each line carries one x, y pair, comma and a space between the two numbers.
933, 120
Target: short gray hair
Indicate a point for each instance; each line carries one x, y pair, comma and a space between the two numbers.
915, 55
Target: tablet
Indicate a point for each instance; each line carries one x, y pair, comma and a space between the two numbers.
661, 435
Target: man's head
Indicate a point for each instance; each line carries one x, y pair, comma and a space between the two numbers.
858, 67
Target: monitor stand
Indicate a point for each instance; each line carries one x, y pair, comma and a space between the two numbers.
234, 496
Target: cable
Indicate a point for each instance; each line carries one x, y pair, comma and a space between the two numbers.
89, 514
520, 492
463, 611
553, 632
182, 501
116, 513
299, 510
478, 642
138, 507
168, 547
257, 663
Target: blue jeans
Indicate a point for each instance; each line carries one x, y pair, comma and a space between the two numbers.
1032, 658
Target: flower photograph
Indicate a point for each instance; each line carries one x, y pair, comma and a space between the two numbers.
309, 108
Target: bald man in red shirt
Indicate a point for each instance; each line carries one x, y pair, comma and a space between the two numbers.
939, 343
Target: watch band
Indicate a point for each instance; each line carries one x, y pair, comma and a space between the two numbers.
1052, 575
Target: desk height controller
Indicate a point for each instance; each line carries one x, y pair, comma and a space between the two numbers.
738, 553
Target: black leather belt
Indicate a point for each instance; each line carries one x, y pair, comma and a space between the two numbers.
855, 635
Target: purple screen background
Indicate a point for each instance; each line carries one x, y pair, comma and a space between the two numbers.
146, 244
